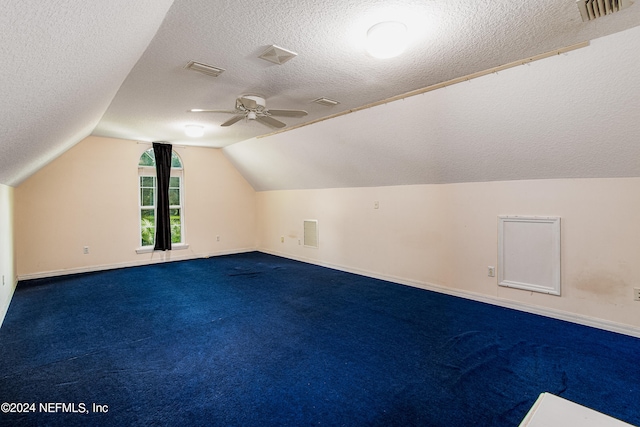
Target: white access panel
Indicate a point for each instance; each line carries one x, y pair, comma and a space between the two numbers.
553, 411
529, 253
311, 233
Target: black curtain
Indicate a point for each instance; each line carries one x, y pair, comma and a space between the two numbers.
162, 152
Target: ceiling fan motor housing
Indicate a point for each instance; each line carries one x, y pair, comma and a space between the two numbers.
251, 102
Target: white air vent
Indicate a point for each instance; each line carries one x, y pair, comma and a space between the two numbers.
592, 9
326, 102
311, 233
277, 55
204, 68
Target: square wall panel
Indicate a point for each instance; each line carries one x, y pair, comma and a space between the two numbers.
529, 253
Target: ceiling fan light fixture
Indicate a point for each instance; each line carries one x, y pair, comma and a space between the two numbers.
253, 107
387, 39
194, 131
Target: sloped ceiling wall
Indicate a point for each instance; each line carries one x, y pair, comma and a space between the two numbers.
62, 63
448, 39
570, 116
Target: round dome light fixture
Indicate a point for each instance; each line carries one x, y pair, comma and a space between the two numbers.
194, 131
387, 39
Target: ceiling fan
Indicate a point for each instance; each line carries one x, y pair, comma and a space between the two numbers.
253, 107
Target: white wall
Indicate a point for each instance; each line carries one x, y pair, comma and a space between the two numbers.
446, 236
432, 235
89, 197
567, 116
7, 250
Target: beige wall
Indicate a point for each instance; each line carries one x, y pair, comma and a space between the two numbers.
89, 197
446, 235
7, 249
427, 235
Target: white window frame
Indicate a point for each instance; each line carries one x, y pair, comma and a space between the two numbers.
150, 171
145, 172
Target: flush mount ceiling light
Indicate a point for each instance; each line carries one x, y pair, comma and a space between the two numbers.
194, 131
387, 39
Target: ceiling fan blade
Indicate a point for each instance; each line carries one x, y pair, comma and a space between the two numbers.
270, 121
287, 113
249, 103
232, 120
199, 110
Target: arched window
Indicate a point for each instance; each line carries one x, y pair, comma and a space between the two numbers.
147, 182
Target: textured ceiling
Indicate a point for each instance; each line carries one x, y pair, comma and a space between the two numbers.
573, 115
66, 59
62, 63
450, 39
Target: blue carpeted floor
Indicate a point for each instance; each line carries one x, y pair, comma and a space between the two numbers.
258, 340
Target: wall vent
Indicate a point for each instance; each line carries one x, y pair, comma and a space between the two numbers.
209, 70
277, 55
311, 233
326, 102
592, 9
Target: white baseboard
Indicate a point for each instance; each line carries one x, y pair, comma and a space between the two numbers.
102, 267
580, 319
5, 306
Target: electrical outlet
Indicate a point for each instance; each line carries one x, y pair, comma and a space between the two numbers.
281, 239
85, 250
376, 205
636, 294
491, 271
299, 242
217, 238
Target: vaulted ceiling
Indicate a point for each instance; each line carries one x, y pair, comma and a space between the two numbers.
73, 68
571, 115
62, 65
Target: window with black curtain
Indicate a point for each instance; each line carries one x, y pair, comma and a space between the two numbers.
162, 152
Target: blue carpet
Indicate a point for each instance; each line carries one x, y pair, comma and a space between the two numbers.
258, 340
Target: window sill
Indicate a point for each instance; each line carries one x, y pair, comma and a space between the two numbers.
174, 247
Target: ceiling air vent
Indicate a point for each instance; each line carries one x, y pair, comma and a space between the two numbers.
326, 102
204, 68
592, 9
277, 55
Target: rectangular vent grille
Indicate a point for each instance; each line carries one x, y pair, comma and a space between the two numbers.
204, 68
592, 9
326, 102
277, 55
311, 233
